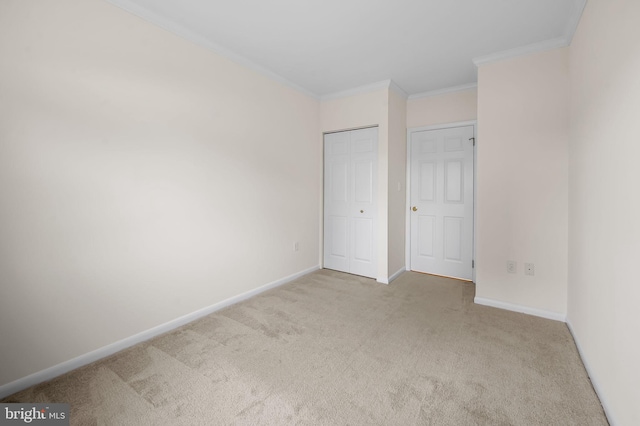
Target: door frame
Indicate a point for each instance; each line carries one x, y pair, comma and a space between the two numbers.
411, 130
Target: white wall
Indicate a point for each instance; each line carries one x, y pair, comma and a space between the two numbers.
522, 181
141, 177
604, 202
397, 181
362, 110
443, 109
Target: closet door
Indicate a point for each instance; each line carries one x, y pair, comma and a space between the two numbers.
350, 201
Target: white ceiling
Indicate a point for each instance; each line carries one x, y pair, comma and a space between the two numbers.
329, 46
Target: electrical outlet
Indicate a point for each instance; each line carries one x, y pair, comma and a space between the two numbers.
296, 246
529, 269
512, 266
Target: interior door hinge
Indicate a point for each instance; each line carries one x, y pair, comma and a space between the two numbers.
473, 263
474, 141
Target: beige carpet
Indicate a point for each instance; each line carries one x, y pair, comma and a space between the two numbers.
335, 349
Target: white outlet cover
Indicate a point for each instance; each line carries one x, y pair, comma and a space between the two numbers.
512, 266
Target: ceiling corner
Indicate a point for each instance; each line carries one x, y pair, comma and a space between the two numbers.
574, 19
394, 86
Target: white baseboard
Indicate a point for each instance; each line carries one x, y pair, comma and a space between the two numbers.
519, 308
594, 381
64, 367
385, 280
397, 274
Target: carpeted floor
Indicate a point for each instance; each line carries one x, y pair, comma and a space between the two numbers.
336, 349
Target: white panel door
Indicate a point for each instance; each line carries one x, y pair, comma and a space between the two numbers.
337, 164
442, 201
350, 210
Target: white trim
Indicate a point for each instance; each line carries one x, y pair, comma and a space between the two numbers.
397, 274
407, 220
328, 132
557, 316
453, 89
522, 50
442, 126
594, 381
475, 200
367, 88
392, 277
179, 30
66, 366
574, 20
407, 247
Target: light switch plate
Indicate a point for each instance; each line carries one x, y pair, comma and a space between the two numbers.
529, 269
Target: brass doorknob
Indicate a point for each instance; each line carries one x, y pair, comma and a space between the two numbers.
415, 209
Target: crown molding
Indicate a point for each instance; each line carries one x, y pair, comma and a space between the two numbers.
180, 31
521, 51
452, 89
380, 85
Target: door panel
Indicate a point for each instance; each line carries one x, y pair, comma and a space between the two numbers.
363, 233
453, 181
453, 143
427, 181
363, 176
339, 229
338, 185
442, 194
426, 235
336, 201
351, 160
453, 245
